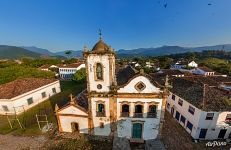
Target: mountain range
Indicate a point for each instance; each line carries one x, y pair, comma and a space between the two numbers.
13, 52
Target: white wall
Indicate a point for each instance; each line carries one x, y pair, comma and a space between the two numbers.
21, 100
151, 125
66, 73
66, 121
130, 88
97, 120
106, 82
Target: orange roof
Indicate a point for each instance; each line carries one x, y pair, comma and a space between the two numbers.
21, 86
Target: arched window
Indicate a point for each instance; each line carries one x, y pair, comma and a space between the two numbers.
99, 71
125, 110
138, 111
100, 110
152, 111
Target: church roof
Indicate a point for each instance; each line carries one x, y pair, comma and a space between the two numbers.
101, 47
125, 74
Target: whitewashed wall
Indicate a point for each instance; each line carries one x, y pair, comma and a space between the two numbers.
183, 110
97, 120
151, 125
65, 122
104, 60
21, 100
130, 88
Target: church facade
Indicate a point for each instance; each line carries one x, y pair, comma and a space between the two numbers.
117, 102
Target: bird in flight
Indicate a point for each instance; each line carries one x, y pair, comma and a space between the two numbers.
209, 4
165, 5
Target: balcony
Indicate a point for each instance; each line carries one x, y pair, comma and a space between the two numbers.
124, 114
138, 115
151, 115
100, 114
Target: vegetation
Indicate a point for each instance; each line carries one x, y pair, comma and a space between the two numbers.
11, 73
80, 76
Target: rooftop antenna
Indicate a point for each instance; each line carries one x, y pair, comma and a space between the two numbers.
100, 34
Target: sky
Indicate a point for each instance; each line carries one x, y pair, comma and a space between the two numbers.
59, 25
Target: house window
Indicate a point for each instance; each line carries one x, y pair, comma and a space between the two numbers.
138, 111
5, 108
125, 110
173, 97
99, 71
182, 119
168, 105
30, 101
152, 111
228, 117
101, 125
191, 110
180, 102
189, 125
177, 115
140, 86
54, 90
44, 94
209, 116
100, 110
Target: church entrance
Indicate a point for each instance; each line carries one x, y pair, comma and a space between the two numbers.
137, 131
74, 127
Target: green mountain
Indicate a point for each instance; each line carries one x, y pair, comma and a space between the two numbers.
13, 52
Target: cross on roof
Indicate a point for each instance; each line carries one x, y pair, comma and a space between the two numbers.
100, 34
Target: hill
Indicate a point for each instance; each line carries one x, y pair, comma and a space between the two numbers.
13, 52
38, 50
167, 50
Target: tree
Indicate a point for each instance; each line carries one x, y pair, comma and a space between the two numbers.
80, 76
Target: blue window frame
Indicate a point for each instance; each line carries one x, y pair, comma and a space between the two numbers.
191, 110
182, 119
189, 125
177, 116
173, 97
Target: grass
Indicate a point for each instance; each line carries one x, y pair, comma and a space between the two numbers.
29, 118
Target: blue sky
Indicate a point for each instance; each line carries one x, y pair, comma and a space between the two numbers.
70, 24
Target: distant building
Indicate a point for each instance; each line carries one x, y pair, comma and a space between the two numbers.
66, 71
184, 64
149, 64
201, 106
22, 94
203, 71
47, 67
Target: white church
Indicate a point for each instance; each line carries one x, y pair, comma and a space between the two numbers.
117, 102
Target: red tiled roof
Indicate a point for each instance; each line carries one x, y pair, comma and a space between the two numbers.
21, 86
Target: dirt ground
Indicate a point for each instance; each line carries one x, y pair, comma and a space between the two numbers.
11, 142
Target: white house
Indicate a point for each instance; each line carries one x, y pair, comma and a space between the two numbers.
122, 103
66, 71
203, 71
192, 64
22, 94
203, 110
184, 64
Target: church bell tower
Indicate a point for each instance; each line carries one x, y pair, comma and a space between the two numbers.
100, 67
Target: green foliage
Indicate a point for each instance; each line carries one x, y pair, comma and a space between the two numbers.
39, 62
11, 73
80, 76
219, 65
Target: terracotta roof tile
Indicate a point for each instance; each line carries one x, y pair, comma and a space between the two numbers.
21, 86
